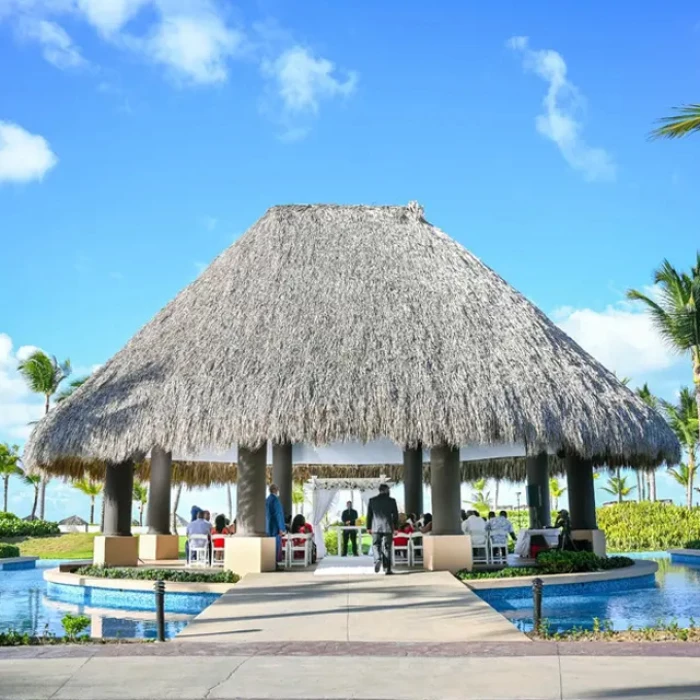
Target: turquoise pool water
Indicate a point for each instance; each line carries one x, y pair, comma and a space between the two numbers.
672, 595
25, 605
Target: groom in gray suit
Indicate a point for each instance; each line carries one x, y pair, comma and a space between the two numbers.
382, 523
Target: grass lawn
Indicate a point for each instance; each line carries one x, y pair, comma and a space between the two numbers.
74, 545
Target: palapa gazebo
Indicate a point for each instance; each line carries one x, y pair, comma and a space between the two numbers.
325, 324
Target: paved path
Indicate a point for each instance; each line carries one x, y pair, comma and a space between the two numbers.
339, 671
416, 607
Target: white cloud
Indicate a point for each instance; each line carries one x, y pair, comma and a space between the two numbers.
109, 16
18, 406
23, 156
622, 339
57, 47
562, 103
303, 81
194, 47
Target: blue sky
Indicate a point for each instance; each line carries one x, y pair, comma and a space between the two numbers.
139, 138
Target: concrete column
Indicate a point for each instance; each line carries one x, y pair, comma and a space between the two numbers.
581, 489
413, 480
118, 498
158, 515
538, 490
445, 485
282, 473
250, 500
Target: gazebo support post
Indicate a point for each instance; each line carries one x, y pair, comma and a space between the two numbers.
538, 490
250, 551
282, 473
447, 549
158, 544
413, 480
116, 546
581, 486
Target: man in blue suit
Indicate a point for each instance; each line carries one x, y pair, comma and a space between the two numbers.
274, 518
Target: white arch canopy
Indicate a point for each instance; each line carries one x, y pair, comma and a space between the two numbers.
324, 492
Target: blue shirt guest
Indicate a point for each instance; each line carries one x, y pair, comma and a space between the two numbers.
274, 518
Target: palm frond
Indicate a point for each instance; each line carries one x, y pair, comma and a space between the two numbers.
72, 387
686, 121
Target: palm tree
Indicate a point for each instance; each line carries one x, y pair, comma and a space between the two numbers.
481, 499
141, 497
650, 400
556, 491
33, 480
298, 497
176, 503
73, 385
684, 477
683, 419
43, 375
496, 485
9, 466
617, 486
92, 489
676, 314
686, 121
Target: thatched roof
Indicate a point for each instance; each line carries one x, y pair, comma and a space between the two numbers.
325, 323
73, 520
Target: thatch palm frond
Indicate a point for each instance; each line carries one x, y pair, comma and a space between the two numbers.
685, 121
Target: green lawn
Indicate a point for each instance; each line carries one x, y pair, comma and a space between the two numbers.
74, 545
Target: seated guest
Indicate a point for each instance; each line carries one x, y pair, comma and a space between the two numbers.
502, 524
463, 515
405, 529
427, 526
473, 525
219, 529
301, 527
194, 512
207, 516
199, 526
492, 517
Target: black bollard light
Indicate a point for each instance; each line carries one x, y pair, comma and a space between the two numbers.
159, 588
537, 603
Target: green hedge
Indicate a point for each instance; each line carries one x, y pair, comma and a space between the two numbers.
554, 562
8, 550
176, 575
634, 527
12, 526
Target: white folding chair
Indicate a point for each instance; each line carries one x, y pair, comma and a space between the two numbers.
480, 548
198, 550
498, 548
298, 543
415, 552
404, 552
217, 553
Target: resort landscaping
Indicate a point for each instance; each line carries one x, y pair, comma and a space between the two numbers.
149, 574
554, 562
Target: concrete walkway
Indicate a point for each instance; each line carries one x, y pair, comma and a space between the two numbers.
510, 671
415, 607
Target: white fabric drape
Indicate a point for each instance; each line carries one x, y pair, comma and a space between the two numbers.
366, 494
323, 499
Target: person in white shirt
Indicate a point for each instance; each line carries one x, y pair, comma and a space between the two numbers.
199, 526
474, 524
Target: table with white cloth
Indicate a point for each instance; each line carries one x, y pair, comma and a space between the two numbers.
358, 528
522, 544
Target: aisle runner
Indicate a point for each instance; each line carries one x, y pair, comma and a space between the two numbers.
347, 566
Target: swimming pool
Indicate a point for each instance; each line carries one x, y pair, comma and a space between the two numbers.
673, 595
26, 606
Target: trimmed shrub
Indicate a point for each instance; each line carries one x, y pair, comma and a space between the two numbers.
8, 550
554, 562
330, 537
634, 527
175, 575
692, 544
12, 526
